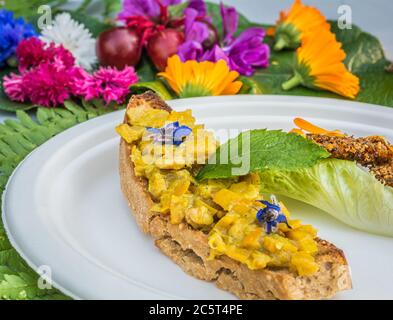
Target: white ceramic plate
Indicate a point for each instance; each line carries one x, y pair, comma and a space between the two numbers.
63, 207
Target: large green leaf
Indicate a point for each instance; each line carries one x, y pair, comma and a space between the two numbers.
365, 58
111, 8
28, 8
176, 11
94, 25
146, 70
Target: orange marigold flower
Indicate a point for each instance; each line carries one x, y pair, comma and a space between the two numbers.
270, 31
294, 24
319, 64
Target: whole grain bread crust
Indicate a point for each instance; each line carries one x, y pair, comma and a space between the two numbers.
190, 250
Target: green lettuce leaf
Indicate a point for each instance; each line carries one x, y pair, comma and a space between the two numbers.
259, 150
342, 189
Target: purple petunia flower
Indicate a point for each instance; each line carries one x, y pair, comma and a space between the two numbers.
230, 20
243, 53
247, 51
194, 30
12, 31
198, 5
190, 50
195, 33
146, 8
215, 54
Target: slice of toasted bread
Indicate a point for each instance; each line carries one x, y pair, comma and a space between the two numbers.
189, 247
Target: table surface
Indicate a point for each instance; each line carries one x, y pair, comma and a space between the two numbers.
371, 15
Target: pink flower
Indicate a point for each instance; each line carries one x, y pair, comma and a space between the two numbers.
13, 87
49, 84
49, 77
109, 83
33, 51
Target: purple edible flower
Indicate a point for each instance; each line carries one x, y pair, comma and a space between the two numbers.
271, 216
172, 133
190, 50
230, 20
243, 53
194, 30
146, 8
198, 5
247, 51
195, 33
215, 54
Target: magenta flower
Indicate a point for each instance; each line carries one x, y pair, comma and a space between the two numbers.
33, 51
147, 8
13, 87
49, 84
108, 83
49, 77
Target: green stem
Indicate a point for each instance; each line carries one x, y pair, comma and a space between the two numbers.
293, 82
190, 91
280, 44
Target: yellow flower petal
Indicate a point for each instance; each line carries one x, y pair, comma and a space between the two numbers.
192, 78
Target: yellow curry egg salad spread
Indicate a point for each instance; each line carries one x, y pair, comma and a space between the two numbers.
167, 149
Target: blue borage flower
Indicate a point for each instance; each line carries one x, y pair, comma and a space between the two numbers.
271, 215
172, 133
12, 31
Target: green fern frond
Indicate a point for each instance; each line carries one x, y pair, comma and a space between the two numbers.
18, 137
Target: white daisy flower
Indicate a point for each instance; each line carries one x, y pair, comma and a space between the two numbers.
75, 37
